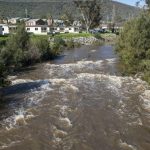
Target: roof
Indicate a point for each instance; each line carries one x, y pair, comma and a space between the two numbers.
31, 20
37, 26
14, 18
3, 25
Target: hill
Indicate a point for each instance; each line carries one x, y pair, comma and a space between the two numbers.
40, 8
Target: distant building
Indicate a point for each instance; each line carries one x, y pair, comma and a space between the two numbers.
38, 29
1, 30
77, 24
4, 29
72, 29
34, 22
14, 20
104, 26
12, 29
37, 26
58, 23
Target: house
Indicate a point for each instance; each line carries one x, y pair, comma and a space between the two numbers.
58, 23
104, 26
24, 19
34, 22
4, 29
38, 29
72, 29
14, 20
37, 26
77, 24
12, 28
1, 30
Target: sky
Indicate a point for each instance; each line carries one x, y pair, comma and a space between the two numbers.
129, 2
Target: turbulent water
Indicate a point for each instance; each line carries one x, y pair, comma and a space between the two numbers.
77, 102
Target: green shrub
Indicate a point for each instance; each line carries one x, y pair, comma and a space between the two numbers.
70, 44
97, 36
133, 45
59, 41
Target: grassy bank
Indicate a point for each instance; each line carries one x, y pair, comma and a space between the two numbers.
73, 35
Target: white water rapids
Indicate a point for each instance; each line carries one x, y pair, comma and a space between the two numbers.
81, 105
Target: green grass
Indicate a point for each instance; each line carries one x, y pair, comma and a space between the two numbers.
107, 35
61, 35
37, 37
3, 40
73, 35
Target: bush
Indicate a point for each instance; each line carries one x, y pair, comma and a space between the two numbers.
133, 45
59, 41
97, 36
70, 44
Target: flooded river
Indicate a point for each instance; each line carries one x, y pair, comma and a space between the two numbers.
76, 102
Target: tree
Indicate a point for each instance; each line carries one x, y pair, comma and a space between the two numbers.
17, 44
133, 46
68, 18
90, 11
146, 1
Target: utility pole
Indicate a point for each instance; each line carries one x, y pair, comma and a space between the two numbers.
26, 12
114, 13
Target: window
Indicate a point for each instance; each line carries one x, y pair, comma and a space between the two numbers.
28, 29
61, 29
76, 29
36, 29
2, 29
69, 28
43, 29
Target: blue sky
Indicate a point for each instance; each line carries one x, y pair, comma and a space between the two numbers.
130, 2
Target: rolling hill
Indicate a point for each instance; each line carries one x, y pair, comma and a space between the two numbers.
40, 8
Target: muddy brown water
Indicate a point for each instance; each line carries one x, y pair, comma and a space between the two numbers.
79, 101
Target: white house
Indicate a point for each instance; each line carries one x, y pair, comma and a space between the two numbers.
14, 20
72, 29
59, 23
104, 26
34, 22
4, 29
38, 29
12, 28
1, 30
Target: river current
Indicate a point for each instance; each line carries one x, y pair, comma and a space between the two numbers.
79, 101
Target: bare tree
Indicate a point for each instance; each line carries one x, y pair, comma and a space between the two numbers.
91, 12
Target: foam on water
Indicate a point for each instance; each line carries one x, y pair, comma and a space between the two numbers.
125, 146
34, 97
70, 70
19, 81
68, 80
4, 146
145, 98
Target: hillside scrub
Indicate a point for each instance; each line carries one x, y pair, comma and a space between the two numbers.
133, 46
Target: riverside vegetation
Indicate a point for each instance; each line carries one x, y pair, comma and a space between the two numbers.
133, 46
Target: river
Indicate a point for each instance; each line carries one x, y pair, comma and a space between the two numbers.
78, 101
